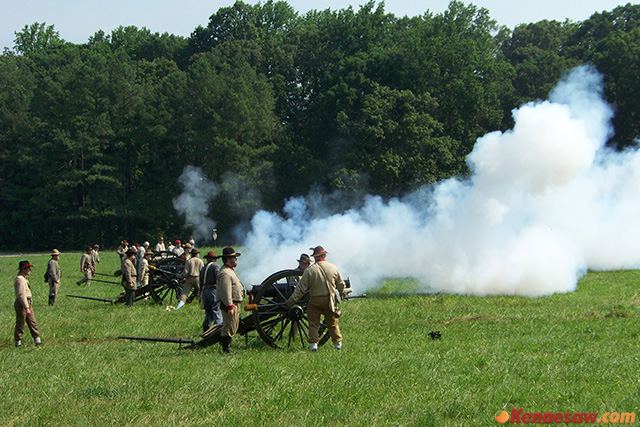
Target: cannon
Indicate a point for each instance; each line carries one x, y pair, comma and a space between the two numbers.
279, 326
165, 281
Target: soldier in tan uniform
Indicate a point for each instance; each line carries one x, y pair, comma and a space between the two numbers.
191, 274
122, 249
143, 269
95, 257
322, 280
22, 305
54, 276
129, 276
86, 267
230, 294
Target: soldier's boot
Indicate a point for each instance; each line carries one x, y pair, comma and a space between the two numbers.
52, 299
37, 341
226, 344
313, 346
18, 343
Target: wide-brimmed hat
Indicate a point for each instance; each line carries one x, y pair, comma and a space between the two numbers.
124, 242
96, 246
194, 251
55, 252
145, 244
131, 250
211, 254
305, 258
148, 253
24, 264
317, 251
229, 252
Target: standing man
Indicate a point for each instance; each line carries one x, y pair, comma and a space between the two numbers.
95, 257
191, 274
230, 294
143, 269
210, 303
54, 276
140, 255
24, 310
122, 249
321, 280
129, 276
86, 267
160, 247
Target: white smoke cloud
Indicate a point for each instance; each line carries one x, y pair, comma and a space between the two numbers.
545, 202
197, 194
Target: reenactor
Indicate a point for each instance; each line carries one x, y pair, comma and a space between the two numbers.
143, 271
122, 249
322, 279
178, 249
230, 294
53, 276
129, 276
209, 296
160, 247
23, 305
95, 257
86, 267
191, 274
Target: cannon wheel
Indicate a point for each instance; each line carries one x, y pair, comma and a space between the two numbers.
277, 325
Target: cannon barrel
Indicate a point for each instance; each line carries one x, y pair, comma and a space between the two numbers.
103, 274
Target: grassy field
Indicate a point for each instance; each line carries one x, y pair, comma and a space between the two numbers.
574, 352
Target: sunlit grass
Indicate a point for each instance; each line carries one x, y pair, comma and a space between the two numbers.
565, 352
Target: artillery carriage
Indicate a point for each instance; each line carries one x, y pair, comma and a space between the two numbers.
165, 281
278, 325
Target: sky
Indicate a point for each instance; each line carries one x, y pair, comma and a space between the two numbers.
77, 20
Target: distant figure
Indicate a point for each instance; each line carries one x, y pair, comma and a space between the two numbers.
53, 276
86, 267
192, 242
230, 294
23, 307
95, 257
191, 274
129, 276
322, 280
143, 270
122, 249
303, 263
178, 249
160, 247
209, 299
140, 255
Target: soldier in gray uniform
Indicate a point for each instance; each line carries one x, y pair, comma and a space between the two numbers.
208, 281
53, 276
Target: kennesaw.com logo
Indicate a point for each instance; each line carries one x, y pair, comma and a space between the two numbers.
518, 416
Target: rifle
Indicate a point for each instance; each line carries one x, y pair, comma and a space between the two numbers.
175, 340
91, 298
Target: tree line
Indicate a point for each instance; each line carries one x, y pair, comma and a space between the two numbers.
271, 104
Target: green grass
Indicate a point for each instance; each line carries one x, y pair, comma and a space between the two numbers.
568, 352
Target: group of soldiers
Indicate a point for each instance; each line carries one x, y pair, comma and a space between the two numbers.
219, 289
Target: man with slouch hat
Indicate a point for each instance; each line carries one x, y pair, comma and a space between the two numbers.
129, 276
23, 307
53, 276
322, 280
230, 294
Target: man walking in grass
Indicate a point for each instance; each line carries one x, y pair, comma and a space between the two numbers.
129, 276
321, 280
23, 307
53, 276
86, 267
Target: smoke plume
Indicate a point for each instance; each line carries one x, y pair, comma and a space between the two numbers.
545, 202
197, 194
